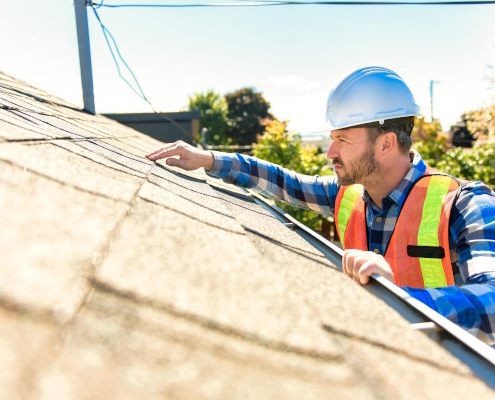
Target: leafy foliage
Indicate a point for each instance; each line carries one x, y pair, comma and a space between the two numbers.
476, 164
481, 123
213, 115
428, 142
286, 149
248, 113
278, 146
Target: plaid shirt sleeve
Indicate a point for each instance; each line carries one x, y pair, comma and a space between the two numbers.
472, 230
471, 306
311, 192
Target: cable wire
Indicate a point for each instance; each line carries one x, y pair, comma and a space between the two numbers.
139, 92
275, 3
106, 34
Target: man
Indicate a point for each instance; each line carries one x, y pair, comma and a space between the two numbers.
395, 216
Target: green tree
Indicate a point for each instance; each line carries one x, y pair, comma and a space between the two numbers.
279, 146
437, 152
429, 141
473, 164
457, 162
248, 114
213, 115
286, 149
480, 161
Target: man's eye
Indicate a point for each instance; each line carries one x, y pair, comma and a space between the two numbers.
338, 139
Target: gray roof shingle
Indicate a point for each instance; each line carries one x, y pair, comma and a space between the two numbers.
124, 279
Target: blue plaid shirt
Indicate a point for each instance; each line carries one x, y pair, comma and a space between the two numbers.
471, 233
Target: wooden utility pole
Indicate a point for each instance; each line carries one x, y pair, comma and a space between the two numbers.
84, 55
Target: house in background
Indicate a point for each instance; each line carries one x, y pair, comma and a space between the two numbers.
460, 134
165, 127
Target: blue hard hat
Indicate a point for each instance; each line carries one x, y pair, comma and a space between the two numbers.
370, 94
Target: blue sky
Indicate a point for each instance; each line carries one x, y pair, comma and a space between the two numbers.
292, 54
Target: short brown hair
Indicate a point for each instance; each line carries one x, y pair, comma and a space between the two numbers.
402, 127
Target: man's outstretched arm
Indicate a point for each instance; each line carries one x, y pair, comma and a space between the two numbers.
310, 192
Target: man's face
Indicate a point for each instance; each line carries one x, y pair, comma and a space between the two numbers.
352, 155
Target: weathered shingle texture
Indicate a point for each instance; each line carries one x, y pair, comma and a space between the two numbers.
126, 279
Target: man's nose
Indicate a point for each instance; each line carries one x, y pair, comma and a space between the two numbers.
331, 153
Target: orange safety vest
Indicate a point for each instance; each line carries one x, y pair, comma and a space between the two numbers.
418, 251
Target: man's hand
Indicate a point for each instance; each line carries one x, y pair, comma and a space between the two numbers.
360, 265
189, 157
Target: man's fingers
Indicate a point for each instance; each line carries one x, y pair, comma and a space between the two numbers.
156, 154
350, 262
183, 155
357, 262
360, 265
344, 263
164, 153
169, 150
177, 162
367, 269
153, 153
157, 151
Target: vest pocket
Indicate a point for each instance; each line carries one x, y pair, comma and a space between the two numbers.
425, 251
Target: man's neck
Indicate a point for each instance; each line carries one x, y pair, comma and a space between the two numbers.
384, 181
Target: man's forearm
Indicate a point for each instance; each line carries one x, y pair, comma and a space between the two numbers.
310, 192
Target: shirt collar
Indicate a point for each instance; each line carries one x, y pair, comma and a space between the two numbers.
398, 195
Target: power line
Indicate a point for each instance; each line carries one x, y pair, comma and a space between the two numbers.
106, 34
276, 3
139, 92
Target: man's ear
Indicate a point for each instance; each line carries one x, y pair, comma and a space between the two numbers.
387, 142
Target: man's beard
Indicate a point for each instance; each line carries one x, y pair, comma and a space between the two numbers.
359, 169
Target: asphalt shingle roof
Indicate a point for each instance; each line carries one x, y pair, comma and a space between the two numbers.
125, 279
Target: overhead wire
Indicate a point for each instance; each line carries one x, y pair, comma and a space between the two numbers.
139, 91
106, 34
277, 3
